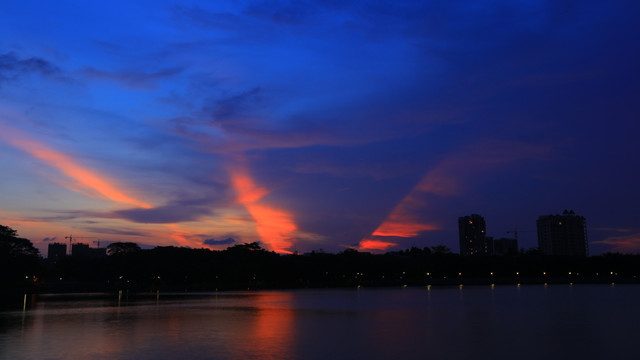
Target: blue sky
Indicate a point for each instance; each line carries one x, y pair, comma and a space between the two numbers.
316, 124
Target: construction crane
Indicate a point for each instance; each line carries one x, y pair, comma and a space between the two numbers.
70, 237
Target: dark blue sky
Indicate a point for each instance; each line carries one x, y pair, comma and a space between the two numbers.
318, 125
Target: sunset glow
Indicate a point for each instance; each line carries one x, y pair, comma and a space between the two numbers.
403, 222
310, 125
93, 184
369, 244
274, 226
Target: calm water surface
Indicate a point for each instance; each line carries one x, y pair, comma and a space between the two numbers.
505, 322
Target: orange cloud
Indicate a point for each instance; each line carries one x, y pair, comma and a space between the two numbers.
628, 243
402, 228
446, 179
403, 220
84, 178
275, 227
370, 244
178, 235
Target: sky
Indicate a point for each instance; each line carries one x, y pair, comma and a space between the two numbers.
318, 125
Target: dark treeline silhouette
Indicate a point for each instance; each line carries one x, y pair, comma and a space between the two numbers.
249, 266
19, 260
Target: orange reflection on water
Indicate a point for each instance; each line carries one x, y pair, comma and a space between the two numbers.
272, 333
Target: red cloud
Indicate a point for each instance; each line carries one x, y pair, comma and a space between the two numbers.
370, 244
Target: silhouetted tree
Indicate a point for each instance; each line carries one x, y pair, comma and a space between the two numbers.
122, 248
13, 246
440, 249
349, 252
6, 231
19, 260
254, 246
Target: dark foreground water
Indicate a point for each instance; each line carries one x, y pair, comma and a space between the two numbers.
505, 322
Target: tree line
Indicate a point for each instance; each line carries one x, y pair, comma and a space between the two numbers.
249, 266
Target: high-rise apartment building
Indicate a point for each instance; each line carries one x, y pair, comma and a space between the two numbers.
564, 235
472, 230
56, 251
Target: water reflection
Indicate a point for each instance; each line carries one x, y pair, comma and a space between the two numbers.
272, 329
532, 322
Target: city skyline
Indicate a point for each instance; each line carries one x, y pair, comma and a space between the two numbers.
318, 125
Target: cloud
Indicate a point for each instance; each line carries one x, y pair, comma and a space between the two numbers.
371, 244
401, 224
205, 18
86, 181
627, 243
64, 215
449, 178
13, 67
49, 239
279, 12
175, 212
133, 79
212, 241
232, 106
111, 231
274, 226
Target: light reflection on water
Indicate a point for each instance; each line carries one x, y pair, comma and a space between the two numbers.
504, 322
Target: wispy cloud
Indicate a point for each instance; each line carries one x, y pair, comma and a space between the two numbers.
175, 212
275, 227
378, 245
448, 178
205, 18
627, 243
212, 241
13, 67
233, 107
112, 231
86, 181
132, 79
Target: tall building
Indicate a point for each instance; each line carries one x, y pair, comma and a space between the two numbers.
83, 250
56, 251
472, 230
505, 246
564, 235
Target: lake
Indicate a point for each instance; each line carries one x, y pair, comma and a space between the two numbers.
471, 322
